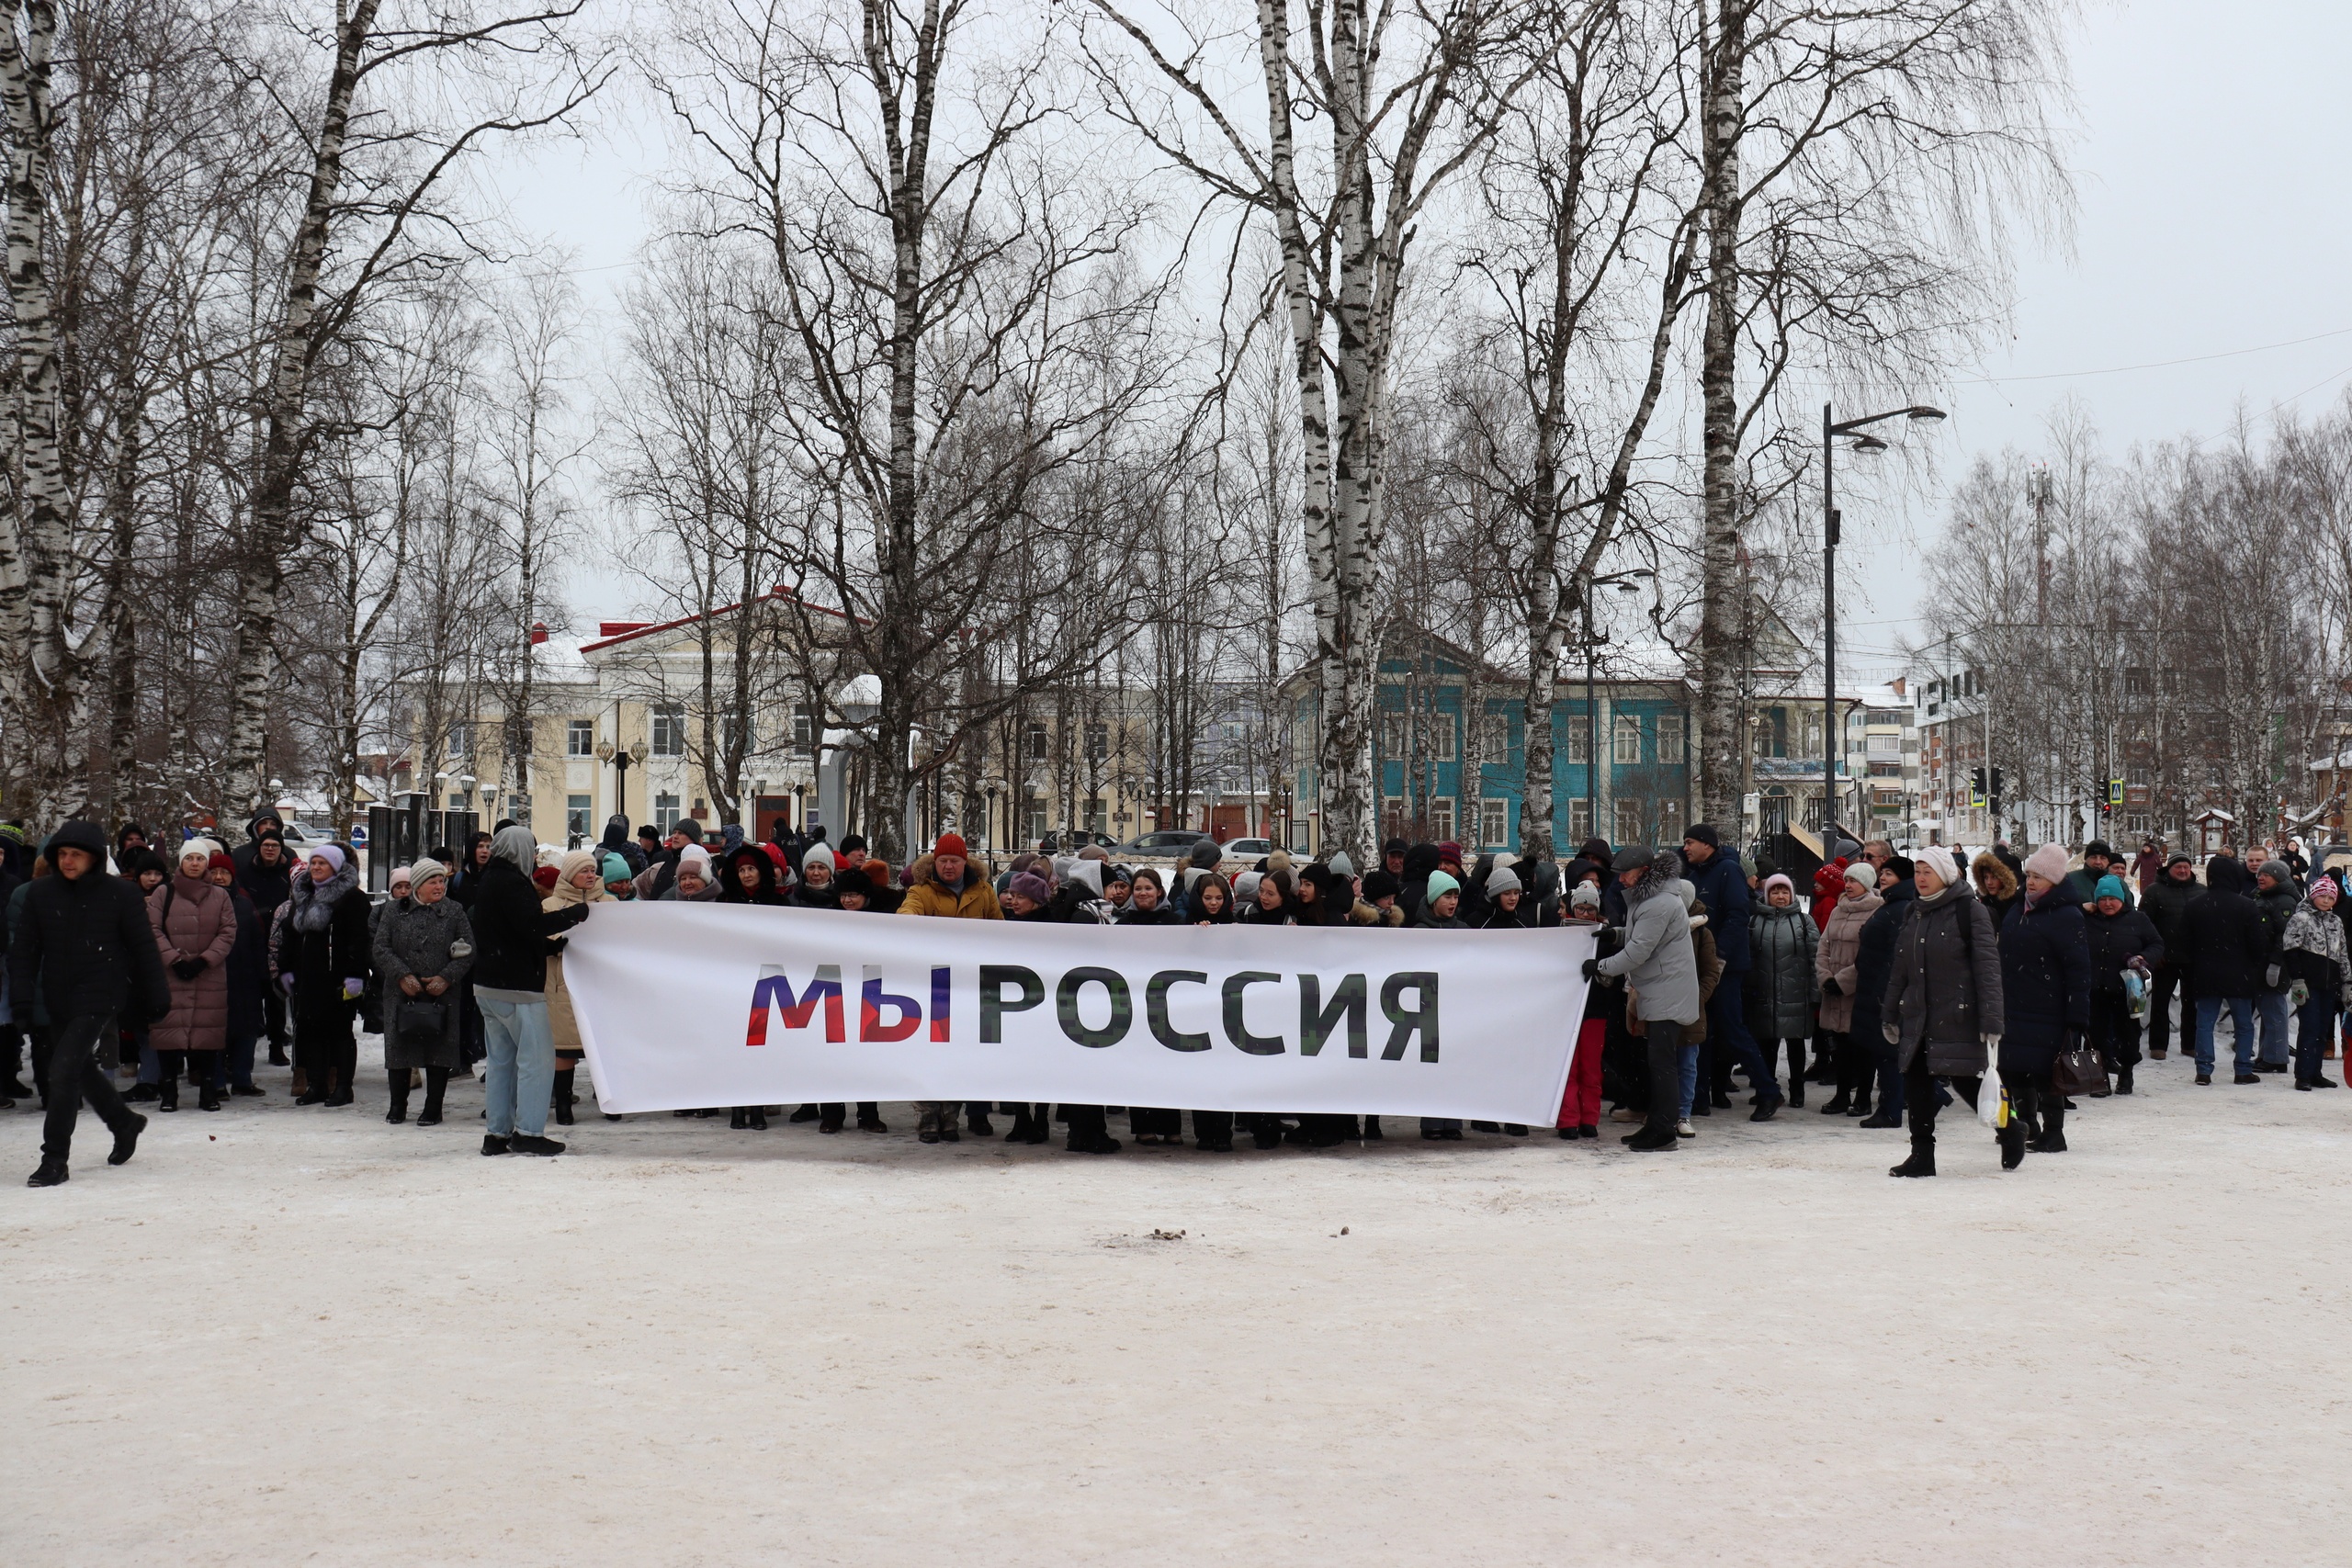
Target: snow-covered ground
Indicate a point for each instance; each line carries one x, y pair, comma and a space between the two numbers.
297, 1334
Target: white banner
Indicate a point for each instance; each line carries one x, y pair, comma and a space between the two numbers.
691, 1005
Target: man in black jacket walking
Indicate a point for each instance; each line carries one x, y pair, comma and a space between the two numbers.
83, 940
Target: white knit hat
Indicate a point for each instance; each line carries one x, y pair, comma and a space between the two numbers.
1937, 859
2048, 862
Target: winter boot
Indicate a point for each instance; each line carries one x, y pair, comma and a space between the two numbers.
1837, 1103
564, 1100
757, 1115
2053, 1129
1923, 1157
737, 1120
978, 1122
1861, 1106
1372, 1133
2023, 1131
805, 1113
52, 1173
869, 1117
398, 1112
167, 1092
437, 1083
2123, 1079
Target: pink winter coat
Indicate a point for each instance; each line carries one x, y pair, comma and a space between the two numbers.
193, 920
1841, 939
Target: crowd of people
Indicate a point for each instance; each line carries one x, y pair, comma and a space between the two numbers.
1897, 982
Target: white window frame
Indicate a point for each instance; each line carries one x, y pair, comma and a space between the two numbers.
1673, 735
666, 731
1626, 727
580, 738
1494, 822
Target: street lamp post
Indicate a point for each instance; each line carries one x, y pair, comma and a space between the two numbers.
1623, 582
1831, 428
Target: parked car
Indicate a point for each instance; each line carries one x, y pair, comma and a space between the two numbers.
1171, 843
1252, 850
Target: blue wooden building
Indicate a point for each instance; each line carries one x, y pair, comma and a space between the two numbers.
1450, 753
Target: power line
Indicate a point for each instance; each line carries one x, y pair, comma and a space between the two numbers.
2158, 364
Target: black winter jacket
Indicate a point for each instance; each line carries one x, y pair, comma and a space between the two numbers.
1721, 887
2165, 902
1943, 990
2115, 940
1875, 959
514, 936
2045, 980
322, 960
84, 946
2223, 940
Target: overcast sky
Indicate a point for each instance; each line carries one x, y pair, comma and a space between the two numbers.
2209, 230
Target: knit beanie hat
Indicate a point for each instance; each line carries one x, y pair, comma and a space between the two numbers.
1439, 885
1341, 866
1584, 896
614, 869
220, 860
327, 852
1379, 884
2110, 886
2048, 862
1032, 887
2278, 871
949, 844
204, 847
1937, 859
1863, 872
817, 854
1504, 880
1777, 880
425, 870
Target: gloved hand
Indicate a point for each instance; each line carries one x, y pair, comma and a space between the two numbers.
2270, 978
351, 989
1592, 968
1830, 987
1894, 1035
285, 983
189, 968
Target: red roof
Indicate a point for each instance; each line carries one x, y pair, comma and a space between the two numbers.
611, 632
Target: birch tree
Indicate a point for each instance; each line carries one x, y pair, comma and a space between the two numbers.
373, 220
1858, 166
1369, 113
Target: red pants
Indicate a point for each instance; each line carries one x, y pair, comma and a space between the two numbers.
1580, 1106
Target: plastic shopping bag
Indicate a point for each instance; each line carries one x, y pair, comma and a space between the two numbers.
1991, 1102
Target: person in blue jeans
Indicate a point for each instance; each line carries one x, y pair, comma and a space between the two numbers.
2316, 953
513, 939
1722, 888
2224, 946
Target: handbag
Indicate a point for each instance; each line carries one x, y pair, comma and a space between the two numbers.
422, 1021
2078, 1070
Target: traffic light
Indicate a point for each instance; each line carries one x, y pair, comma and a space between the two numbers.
1976, 787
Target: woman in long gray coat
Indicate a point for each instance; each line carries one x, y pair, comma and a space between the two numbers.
424, 945
1943, 1011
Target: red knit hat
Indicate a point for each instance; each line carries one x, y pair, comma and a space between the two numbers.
949, 844
220, 861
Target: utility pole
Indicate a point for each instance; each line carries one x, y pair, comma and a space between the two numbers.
2037, 489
